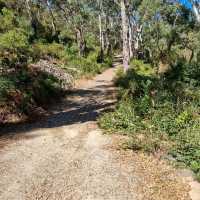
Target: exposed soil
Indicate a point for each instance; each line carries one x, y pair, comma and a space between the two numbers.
66, 157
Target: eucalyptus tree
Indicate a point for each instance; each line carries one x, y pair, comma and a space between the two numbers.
196, 9
109, 31
49, 5
101, 35
77, 17
134, 26
130, 28
126, 55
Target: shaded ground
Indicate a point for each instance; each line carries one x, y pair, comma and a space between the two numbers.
66, 157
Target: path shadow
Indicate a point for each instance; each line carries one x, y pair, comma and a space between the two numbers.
83, 106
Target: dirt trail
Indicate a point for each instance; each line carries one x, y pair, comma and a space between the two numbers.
67, 157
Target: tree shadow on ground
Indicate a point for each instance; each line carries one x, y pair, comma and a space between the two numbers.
83, 105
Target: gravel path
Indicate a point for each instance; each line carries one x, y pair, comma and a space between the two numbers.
67, 157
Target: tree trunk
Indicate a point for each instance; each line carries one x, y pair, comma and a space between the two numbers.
33, 18
130, 39
196, 9
126, 57
101, 39
192, 56
80, 41
138, 37
107, 36
52, 17
28, 9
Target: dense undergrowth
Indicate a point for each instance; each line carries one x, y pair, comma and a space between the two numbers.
159, 113
23, 88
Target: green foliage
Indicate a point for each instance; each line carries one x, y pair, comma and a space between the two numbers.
156, 111
158, 115
22, 89
142, 68
43, 50
169, 24
8, 19
45, 89
123, 120
13, 47
85, 65
13, 40
187, 148
5, 85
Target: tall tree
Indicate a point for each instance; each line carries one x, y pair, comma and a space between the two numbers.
125, 26
196, 9
101, 35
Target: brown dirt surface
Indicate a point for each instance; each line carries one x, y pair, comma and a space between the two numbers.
66, 156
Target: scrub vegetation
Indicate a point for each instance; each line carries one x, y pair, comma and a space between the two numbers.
159, 94
46, 44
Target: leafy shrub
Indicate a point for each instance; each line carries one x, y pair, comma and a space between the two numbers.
108, 61
184, 72
71, 52
7, 19
85, 65
65, 37
88, 67
45, 89
142, 68
23, 89
14, 38
159, 113
123, 120
14, 47
187, 148
5, 85
42, 50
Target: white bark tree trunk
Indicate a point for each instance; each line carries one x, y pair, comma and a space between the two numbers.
138, 37
101, 39
52, 17
27, 2
101, 36
130, 40
124, 17
107, 35
196, 9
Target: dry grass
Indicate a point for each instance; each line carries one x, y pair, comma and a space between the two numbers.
159, 181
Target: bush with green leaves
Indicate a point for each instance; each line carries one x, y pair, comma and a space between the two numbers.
158, 113
124, 120
23, 89
142, 68
14, 47
6, 84
14, 36
42, 50
85, 65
